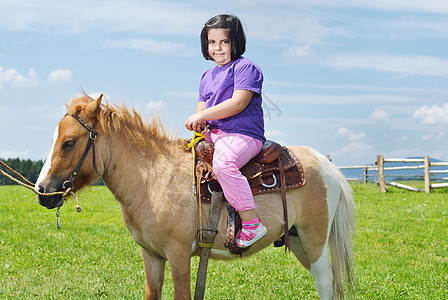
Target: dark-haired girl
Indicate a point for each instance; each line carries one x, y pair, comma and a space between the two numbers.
229, 106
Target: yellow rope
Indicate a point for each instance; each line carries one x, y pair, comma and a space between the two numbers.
196, 138
200, 209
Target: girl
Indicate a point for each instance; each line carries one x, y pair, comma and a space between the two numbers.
229, 105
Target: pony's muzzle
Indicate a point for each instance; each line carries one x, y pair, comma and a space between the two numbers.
49, 202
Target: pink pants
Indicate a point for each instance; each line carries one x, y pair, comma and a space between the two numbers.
233, 151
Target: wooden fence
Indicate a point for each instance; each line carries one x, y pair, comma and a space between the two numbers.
380, 171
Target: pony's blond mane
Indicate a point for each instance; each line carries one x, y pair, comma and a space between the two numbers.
115, 118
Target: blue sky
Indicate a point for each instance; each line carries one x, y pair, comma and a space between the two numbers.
352, 79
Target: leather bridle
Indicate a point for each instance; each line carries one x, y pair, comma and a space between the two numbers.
90, 143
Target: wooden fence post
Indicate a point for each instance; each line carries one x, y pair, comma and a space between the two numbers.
427, 179
381, 180
365, 174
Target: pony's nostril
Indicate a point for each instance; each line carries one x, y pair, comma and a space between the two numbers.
41, 189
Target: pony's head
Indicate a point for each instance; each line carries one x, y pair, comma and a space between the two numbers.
70, 161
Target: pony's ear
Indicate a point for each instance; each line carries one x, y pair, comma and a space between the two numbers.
92, 107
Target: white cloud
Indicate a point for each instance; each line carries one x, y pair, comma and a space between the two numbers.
193, 94
300, 54
351, 87
14, 78
403, 152
353, 153
96, 95
332, 99
13, 154
344, 132
162, 18
429, 6
274, 133
432, 136
380, 115
401, 65
149, 45
156, 106
306, 22
145, 16
439, 154
410, 27
432, 114
426, 137
57, 76
276, 23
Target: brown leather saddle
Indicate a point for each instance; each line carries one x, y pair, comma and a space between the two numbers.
263, 171
274, 169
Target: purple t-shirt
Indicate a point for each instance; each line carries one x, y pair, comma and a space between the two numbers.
218, 84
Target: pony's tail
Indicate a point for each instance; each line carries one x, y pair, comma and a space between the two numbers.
340, 242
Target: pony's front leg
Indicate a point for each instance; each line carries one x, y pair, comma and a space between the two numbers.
155, 275
179, 261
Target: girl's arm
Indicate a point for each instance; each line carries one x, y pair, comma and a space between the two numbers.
240, 99
201, 106
199, 127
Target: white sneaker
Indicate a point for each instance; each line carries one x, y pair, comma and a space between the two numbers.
248, 237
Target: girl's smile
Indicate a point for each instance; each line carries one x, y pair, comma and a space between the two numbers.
219, 47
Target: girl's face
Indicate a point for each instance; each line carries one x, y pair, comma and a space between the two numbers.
219, 46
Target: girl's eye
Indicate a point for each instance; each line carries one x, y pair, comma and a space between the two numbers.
68, 144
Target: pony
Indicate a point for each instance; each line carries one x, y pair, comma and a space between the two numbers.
150, 173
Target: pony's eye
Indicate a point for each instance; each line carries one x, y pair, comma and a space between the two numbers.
68, 144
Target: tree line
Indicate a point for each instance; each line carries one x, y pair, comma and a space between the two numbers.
28, 168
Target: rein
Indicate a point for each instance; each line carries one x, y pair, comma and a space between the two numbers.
67, 185
29, 185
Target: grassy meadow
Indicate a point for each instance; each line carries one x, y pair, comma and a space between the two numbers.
401, 250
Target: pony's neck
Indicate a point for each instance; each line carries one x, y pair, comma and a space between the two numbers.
139, 167
152, 181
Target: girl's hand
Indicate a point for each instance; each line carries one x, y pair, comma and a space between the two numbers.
196, 122
203, 128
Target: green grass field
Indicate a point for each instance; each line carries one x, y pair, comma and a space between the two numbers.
401, 250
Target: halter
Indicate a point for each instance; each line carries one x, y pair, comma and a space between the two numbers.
90, 143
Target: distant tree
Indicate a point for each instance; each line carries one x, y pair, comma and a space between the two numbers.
28, 168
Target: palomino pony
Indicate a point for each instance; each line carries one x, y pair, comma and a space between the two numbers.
151, 175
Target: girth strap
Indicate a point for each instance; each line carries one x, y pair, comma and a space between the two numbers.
285, 208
